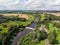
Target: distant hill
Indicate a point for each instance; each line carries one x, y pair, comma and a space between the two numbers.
26, 11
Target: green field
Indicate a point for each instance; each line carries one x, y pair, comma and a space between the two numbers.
11, 23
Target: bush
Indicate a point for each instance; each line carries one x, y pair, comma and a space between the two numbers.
0, 29
43, 35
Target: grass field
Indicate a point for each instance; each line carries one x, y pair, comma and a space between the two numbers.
4, 30
52, 28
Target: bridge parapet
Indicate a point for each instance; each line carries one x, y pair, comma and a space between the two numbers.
29, 28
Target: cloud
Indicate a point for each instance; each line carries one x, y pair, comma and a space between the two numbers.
30, 4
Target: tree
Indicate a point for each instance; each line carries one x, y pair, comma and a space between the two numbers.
54, 33
43, 35
0, 29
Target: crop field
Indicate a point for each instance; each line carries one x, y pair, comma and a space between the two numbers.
57, 14
19, 15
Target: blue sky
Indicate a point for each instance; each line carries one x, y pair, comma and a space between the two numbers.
29, 4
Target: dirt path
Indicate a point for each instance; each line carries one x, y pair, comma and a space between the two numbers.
47, 42
43, 28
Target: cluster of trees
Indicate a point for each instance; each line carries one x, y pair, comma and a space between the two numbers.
6, 19
48, 18
2, 19
5, 37
13, 30
33, 38
51, 17
52, 38
56, 25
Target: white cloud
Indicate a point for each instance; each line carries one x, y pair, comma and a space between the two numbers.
30, 4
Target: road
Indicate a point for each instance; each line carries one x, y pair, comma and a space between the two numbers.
24, 32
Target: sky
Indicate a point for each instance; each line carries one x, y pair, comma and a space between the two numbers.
29, 4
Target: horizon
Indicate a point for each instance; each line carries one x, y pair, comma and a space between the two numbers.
30, 10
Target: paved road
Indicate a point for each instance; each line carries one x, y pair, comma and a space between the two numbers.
24, 32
